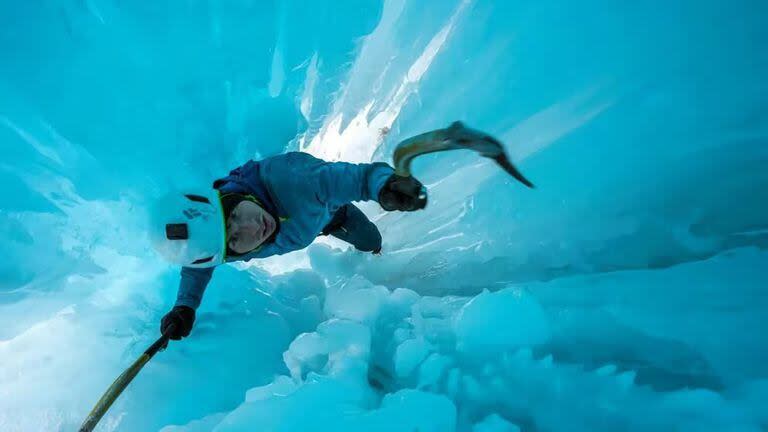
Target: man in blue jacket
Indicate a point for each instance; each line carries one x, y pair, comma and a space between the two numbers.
271, 207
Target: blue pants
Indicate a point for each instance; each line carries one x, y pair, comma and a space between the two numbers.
351, 225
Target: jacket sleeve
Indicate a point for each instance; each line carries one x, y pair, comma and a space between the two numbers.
339, 183
192, 286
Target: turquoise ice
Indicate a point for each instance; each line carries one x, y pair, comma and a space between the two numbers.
626, 292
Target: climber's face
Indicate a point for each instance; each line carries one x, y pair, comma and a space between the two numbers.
248, 226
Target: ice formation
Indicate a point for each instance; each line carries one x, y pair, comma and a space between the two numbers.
627, 292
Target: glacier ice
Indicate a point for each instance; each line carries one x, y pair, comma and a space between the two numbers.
474, 337
627, 292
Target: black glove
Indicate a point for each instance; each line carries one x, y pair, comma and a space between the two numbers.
181, 318
402, 193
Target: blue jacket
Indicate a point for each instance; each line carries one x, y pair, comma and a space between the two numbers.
303, 191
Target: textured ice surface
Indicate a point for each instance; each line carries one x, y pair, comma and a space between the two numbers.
626, 292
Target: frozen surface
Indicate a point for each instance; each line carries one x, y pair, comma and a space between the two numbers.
626, 292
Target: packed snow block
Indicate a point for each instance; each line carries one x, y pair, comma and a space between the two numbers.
452, 382
337, 347
281, 386
340, 404
472, 390
493, 323
308, 314
410, 410
432, 370
292, 288
329, 262
432, 318
299, 298
309, 351
321, 403
345, 335
402, 334
495, 423
404, 296
402, 299
356, 300
409, 355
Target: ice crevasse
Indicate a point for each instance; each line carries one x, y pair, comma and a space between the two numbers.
625, 293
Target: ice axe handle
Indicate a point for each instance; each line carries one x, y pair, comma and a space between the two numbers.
122, 382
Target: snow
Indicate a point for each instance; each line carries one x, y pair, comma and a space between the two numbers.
625, 292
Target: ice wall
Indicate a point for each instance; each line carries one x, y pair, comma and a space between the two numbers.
625, 293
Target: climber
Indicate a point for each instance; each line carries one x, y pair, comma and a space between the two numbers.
270, 207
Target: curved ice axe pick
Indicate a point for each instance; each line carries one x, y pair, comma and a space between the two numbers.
454, 137
122, 382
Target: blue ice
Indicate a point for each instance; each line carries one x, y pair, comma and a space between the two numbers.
626, 292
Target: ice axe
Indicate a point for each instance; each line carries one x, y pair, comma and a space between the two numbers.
454, 137
122, 382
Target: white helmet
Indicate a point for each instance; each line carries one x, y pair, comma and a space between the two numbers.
189, 229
